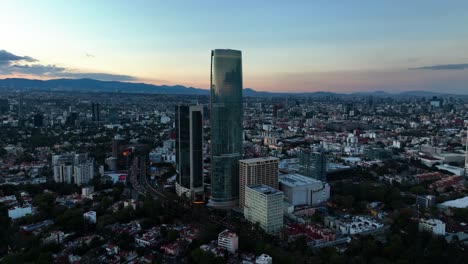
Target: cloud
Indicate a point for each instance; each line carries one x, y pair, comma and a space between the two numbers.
7, 58
97, 76
33, 69
11, 64
443, 67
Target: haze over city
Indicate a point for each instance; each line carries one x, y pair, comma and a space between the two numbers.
303, 46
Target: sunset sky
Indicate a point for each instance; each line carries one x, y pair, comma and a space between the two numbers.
290, 46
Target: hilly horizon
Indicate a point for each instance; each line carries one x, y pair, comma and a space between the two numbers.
96, 86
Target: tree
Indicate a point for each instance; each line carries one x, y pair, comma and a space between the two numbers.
199, 256
104, 221
417, 190
172, 235
4, 229
72, 220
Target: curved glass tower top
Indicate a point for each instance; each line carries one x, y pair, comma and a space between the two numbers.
226, 127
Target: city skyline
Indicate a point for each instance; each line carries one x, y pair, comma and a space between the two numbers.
305, 47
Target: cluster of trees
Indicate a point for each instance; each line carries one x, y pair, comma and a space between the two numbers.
5, 232
403, 244
349, 195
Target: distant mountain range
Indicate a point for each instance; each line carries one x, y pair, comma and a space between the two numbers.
96, 86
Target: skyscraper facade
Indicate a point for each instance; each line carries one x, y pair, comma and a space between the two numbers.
313, 164
226, 127
257, 171
96, 112
118, 147
264, 205
189, 150
466, 154
38, 120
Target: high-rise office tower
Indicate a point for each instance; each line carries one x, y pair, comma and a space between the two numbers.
226, 127
257, 171
118, 146
313, 164
4, 106
96, 112
264, 205
38, 120
466, 154
189, 150
20, 107
113, 116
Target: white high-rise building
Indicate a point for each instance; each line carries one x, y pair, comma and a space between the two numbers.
63, 173
229, 241
84, 172
73, 168
264, 205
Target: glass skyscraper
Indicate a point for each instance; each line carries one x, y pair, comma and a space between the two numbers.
189, 150
313, 164
226, 127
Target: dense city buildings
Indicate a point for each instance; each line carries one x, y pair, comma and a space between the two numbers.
257, 171
73, 168
338, 135
226, 127
189, 150
387, 166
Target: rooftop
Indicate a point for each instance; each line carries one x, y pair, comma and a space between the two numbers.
264, 189
293, 180
431, 221
255, 160
227, 233
458, 203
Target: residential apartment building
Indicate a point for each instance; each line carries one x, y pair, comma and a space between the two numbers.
257, 171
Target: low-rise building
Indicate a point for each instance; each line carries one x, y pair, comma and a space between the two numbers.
147, 239
54, 237
302, 190
264, 259
458, 171
229, 241
435, 226
425, 201
87, 191
90, 217
354, 225
19, 211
